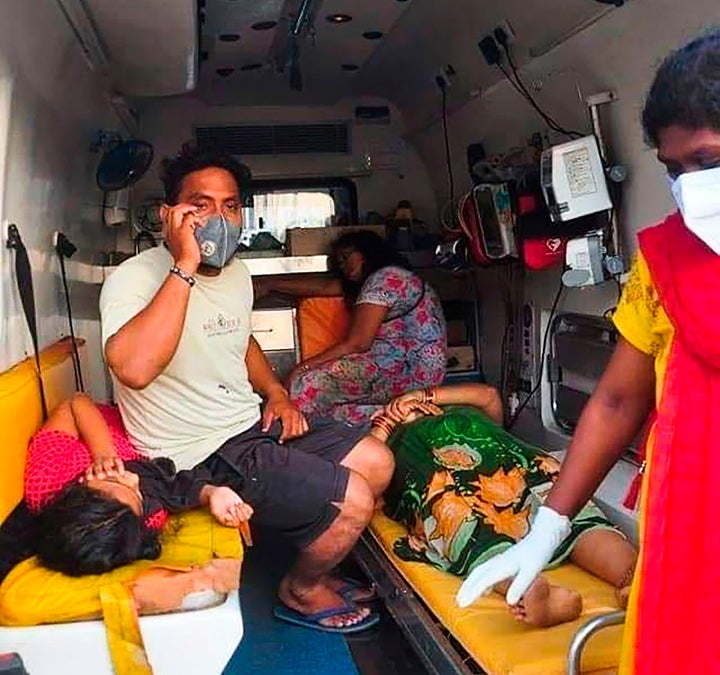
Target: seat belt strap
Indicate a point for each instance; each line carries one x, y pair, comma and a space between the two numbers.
23, 274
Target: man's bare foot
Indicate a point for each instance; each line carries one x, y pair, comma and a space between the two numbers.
544, 605
365, 593
319, 598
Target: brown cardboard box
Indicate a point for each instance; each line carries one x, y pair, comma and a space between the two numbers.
317, 240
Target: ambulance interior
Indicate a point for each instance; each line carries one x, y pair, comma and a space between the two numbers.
390, 114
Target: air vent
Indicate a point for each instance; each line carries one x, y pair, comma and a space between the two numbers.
288, 139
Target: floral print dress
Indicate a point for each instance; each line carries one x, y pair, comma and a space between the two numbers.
408, 352
466, 490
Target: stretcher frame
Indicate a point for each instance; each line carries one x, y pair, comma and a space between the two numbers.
439, 652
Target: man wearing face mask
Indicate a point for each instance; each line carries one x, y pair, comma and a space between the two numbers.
189, 378
668, 358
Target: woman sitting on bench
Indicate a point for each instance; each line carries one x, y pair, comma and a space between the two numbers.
466, 490
100, 503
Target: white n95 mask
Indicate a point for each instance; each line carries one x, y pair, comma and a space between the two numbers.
697, 195
218, 240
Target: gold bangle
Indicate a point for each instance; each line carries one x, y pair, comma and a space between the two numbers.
383, 423
429, 395
380, 421
386, 429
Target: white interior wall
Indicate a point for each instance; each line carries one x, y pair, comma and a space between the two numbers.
171, 122
620, 52
51, 107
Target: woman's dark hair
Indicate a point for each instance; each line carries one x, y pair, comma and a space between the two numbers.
190, 159
83, 531
376, 254
686, 89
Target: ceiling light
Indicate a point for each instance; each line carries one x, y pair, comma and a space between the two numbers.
224, 72
229, 37
264, 25
349, 67
251, 66
372, 34
338, 18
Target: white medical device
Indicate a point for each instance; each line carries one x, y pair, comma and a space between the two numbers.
584, 258
573, 180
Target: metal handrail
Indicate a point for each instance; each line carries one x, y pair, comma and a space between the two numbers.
584, 633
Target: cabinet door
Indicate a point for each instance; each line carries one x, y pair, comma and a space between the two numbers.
274, 329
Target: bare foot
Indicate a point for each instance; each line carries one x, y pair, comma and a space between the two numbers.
319, 598
544, 605
359, 594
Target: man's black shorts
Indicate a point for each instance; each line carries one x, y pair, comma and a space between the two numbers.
291, 486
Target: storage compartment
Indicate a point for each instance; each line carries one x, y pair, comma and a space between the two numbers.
317, 240
275, 331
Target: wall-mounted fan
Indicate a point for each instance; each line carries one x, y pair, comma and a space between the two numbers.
124, 164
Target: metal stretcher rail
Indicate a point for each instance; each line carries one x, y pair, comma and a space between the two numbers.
585, 632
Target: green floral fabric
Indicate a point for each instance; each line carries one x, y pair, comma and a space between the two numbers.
466, 490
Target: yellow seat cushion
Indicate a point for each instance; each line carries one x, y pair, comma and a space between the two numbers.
497, 642
21, 413
32, 595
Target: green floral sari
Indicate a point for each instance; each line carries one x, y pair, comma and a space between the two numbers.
466, 490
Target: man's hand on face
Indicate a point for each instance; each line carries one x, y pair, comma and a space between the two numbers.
280, 407
179, 223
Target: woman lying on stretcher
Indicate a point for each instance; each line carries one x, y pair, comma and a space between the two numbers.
102, 504
467, 490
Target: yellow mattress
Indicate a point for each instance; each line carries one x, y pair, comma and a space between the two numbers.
21, 414
487, 631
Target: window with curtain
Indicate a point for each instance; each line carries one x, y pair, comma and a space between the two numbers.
282, 204
277, 212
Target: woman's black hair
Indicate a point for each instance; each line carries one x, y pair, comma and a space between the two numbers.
686, 89
376, 253
190, 159
82, 531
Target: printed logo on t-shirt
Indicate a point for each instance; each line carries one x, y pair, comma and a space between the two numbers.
221, 325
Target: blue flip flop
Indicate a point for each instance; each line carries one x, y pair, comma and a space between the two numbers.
351, 585
312, 621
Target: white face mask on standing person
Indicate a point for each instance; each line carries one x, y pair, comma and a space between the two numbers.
697, 195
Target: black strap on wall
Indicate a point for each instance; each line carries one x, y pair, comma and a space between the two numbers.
23, 274
65, 249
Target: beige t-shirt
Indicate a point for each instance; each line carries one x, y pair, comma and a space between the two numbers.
203, 397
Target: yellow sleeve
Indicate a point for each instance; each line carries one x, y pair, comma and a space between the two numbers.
637, 312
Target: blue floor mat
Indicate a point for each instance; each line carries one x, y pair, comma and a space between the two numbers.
272, 646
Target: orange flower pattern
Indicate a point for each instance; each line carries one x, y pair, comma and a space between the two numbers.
502, 488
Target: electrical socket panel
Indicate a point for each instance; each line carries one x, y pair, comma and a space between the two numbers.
506, 26
528, 364
444, 74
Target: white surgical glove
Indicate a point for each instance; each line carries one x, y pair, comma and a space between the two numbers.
524, 561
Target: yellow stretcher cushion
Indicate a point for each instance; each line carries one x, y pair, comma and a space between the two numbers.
497, 642
32, 595
21, 413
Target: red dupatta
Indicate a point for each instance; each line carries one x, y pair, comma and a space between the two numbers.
679, 584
